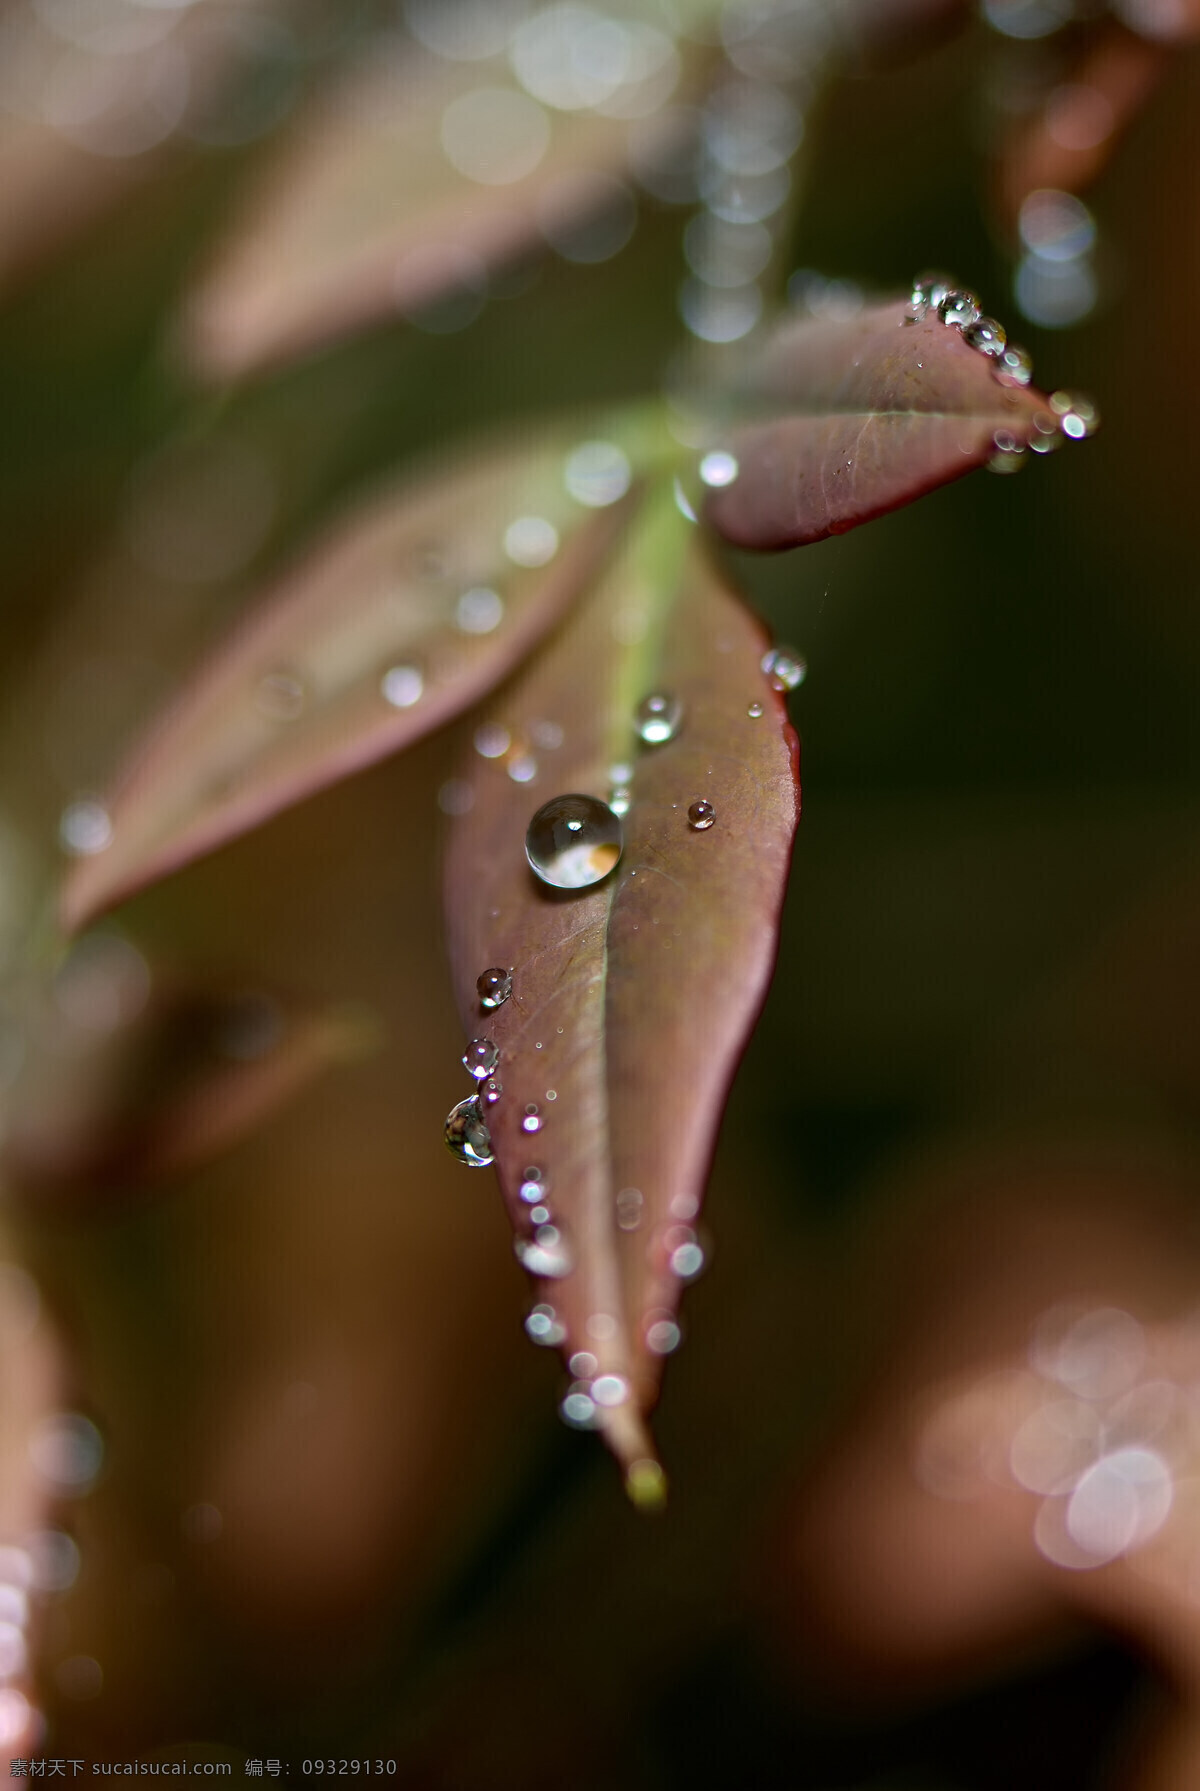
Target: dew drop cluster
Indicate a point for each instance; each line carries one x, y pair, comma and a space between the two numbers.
1071, 416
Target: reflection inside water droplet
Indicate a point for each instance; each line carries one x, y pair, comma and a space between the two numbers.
658, 717
701, 816
573, 842
467, 1136
494, 987
754, 711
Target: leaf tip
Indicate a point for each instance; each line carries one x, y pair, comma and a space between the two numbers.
646, 1484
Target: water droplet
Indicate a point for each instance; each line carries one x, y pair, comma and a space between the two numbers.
540, 1215
663, 1336
620, 799
494, 987
467, 1136
85, 827
928, 291
1045, 437
456, 797
646, 1485
546, 1255
687, 1260
610, 1390
552, 1094
629, 1208
701, 816
480, 1058
479, 610
754, 711
1015, 366
1078, 416
1010, 453
578, 1409
657, 718
492, 1090
491, 740
986, 335
402, 686
543, 1326
573, 841
281, 696
522, 769
531, 541
583, 1365
785, 668
532, 1121
546, 734
602, 1326
533, 1184
718, 468
597, 473
958, 308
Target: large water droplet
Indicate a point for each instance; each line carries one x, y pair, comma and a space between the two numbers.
658, 717
574, 841
467, 1136
785, 668
494, 987
985, 334
701, 816
480, 1058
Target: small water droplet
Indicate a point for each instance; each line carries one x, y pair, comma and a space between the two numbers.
1014, 367
597, 473
491, 740
479, 610
1078, 416
540, 1215
533, 1184
456, 797
546, 1255
687, 1260
492, 1090
718, 468
494, 987
701, 816
522, 769
281, 696
958, 308
467, 1136
620, 799
573, 841
610, 1390
578, 1409
986, 335
85, 827
657, 718
531, 541
785, 668
1045, 437
402, 686
543, 1326
480, 1058
928, 291
663, 1336
552, 1094
754, 711
583, 1365
532, 1121
537, 1044
629, 1208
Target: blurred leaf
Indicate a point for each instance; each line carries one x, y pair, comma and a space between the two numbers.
1069, 139
403, 617
363, 214
125, 1086
863, 414
631, 1001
